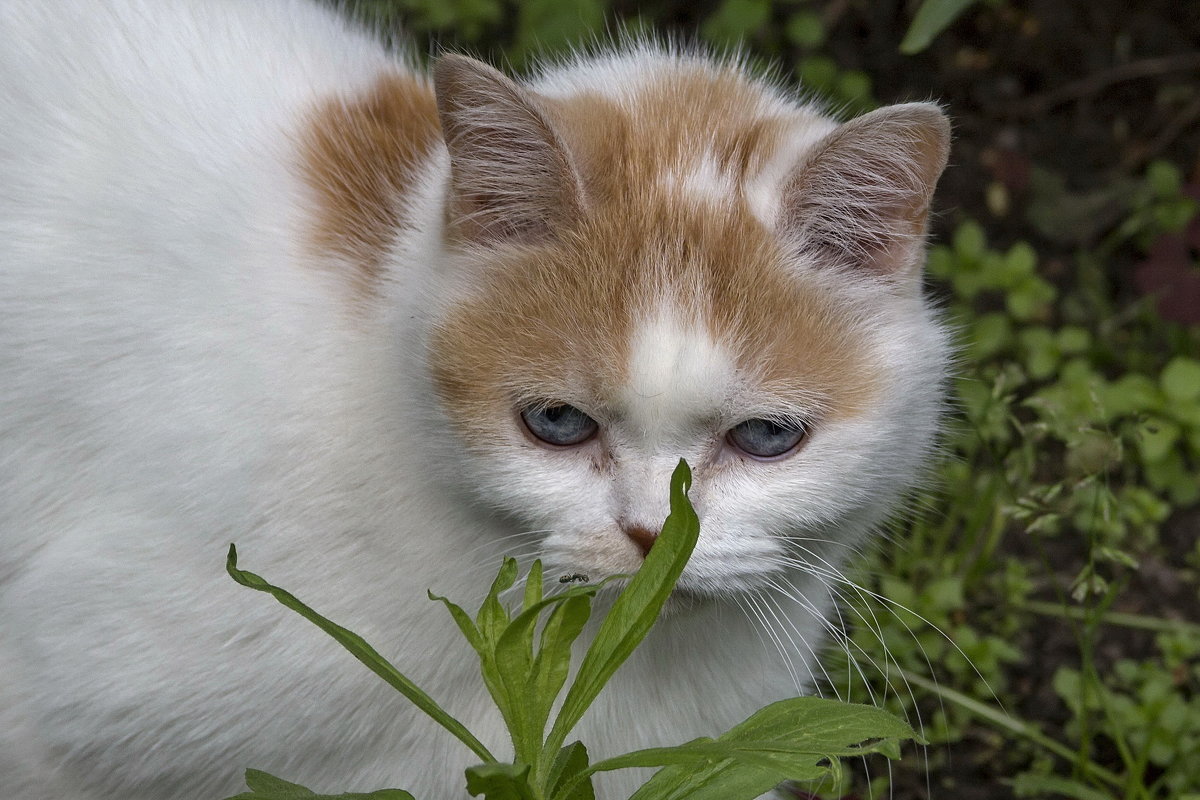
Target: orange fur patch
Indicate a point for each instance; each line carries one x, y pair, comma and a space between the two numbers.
361, 155
554, 322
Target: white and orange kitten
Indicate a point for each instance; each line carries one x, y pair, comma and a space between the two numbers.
262, 282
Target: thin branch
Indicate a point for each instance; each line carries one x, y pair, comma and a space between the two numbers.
1099, 81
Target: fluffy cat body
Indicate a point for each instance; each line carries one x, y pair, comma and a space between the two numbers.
260, 283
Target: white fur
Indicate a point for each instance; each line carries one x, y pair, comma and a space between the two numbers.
700, 181
177, 373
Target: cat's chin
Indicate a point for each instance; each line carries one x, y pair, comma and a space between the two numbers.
686, 601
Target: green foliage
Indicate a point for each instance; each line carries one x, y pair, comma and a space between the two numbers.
933, 17
1147, 710
1077, 438
524, 671
552, 26
267, 787
736, 21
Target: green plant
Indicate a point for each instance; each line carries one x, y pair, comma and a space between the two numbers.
1075, 443
932, 17
524, 661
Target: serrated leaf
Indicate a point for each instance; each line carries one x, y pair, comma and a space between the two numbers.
364, 652
635, 610
500, 782
264, 786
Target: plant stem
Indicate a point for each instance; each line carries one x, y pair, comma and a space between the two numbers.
1010, 723
1139, 621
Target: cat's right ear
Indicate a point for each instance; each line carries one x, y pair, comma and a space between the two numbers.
861, 196
511, 176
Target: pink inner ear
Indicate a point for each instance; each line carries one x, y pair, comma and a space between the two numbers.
862, 197
511, 175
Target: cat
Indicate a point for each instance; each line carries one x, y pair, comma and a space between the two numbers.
263, 281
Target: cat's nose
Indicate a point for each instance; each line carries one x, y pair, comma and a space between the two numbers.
644, 538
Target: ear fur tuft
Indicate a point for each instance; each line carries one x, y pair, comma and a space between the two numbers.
512, 177
861, 197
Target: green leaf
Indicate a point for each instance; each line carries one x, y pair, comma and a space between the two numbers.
1158, 439
815, 723
463, 620
1073, 340
1181, 380
635, 609
1041, 351
570, 763
724, 780
806, 29
359, 648
933, 17
553, 661
493, 617
970, 242
1032, 785
262, 784
533, 585
1131, 394
1029, 299
736, 20
500, 782
788, 740
547, 26
523, 686
990, 334
1016, 266
267, 787
1163, 178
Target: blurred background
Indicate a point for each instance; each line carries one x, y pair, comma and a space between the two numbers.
1036, 613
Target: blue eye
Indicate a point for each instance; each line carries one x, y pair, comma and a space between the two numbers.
766, 438
559, 425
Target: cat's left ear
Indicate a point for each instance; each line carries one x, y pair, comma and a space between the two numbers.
860, 199
511, 176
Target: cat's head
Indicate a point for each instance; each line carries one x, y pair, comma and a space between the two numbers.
664, 258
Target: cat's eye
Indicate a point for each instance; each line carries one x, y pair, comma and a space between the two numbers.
766, 438
559, 425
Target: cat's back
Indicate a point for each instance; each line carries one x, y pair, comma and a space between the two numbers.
154, 299
173, 357
128, 104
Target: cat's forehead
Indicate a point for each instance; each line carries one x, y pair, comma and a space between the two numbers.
677, 374
662, 320
699, 130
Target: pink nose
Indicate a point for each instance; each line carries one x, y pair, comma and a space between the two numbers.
644, 538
